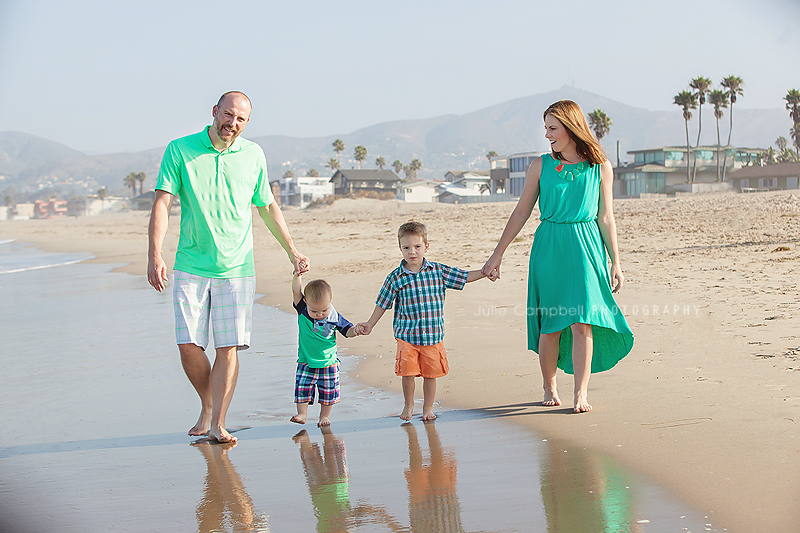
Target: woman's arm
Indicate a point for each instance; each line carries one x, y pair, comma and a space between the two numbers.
607, 224
517, 220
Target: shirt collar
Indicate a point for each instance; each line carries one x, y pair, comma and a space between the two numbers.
333, 316
235, 147
425, 266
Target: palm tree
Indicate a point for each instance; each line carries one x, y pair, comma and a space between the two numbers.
398, 166
719, 99
781, 143
701, 85
687, 101
491, 154
360, 154
793, 104
333, 164
102, 194
140, 177
733, 84
380, 163
130, 181
795, 133
411, 169
338, 146
313, 173
770, 156
600, 123
288, 175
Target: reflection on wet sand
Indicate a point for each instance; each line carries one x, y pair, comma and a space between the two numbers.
584, 492
432, 498
225, 505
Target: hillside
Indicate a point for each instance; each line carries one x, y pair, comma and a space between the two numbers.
442, 143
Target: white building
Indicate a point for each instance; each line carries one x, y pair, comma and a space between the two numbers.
418, 191
301, 191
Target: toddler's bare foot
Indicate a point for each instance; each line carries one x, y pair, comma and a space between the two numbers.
202, 425
551, 399
408, 410
582, 404
298, 419
428, 415
221, 435
323, 421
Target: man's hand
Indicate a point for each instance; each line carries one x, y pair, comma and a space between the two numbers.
301, 263
157, 273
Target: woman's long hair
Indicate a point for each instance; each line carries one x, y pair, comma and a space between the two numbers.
571, 116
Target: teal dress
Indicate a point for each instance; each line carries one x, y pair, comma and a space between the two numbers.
569, 278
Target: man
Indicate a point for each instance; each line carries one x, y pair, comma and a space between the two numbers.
217, 175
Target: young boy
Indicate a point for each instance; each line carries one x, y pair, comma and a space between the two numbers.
416, 288
317, 362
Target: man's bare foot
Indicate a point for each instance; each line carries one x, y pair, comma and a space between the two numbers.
428, 415
581, 404
323, 421
551, 399
203, 423
407, 412
221, 435
298, 419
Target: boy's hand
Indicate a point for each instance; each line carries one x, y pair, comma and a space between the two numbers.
363, 329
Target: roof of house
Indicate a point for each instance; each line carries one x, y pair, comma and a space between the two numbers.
648, 167
781, 170
711, 148
356, 174
461, 173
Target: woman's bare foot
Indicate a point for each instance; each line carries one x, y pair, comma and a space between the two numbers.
221, 435
408, 410
582, 404
323, 421
298, 419
551, 399
428, 415
202, 425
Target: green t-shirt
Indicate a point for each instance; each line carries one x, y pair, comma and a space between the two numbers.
216, 190
316, 345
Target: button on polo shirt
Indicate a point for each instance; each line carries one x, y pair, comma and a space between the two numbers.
216, 190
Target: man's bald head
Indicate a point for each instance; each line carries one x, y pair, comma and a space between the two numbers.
233, 94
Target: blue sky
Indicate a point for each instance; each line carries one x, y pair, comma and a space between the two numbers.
108, 76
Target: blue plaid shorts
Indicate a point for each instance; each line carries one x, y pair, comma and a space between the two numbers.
324, 380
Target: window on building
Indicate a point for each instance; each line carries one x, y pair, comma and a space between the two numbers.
706, 155
638, 158
675, 156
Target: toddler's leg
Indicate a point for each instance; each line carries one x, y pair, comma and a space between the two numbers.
408, 397
302, 413
429, 394
324, 415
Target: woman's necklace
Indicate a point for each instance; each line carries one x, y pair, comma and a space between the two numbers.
569, 175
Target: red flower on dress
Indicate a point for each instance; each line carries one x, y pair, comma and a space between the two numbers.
559, 168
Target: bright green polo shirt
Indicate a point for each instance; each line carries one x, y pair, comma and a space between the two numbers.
215, 190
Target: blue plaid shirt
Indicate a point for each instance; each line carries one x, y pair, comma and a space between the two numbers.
418, 299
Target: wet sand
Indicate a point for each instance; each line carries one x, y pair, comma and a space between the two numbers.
707, 402
96, 398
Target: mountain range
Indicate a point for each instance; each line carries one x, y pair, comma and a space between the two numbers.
447, 142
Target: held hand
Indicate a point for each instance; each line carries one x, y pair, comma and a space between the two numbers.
617, 279
363, 328
492, 268
301, 263
157, 274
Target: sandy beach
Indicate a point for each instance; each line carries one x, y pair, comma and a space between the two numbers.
707, 402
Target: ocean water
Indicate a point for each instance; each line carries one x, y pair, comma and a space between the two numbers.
95, 407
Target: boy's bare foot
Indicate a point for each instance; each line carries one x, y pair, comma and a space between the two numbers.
298, 419
221, 435
202, 425
428, 415
323, 421
582, 404
407, 412
301, 436
551, 399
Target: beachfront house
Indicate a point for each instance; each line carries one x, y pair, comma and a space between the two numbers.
361, 181
661, 171
782, 176
418, 191
300, 191
507, 173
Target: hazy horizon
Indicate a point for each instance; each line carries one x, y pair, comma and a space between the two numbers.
105, 78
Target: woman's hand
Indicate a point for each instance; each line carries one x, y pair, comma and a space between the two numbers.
617, 279
492, 267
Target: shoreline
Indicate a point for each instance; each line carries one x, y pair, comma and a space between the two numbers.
701, 397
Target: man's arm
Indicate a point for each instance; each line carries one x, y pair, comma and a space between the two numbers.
273, 218
159, 220
297, 288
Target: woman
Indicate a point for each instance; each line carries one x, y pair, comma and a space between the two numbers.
571, 309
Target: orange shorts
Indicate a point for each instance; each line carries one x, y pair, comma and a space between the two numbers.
425, 361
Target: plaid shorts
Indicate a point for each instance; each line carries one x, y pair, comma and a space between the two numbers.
325, 380
225, 304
